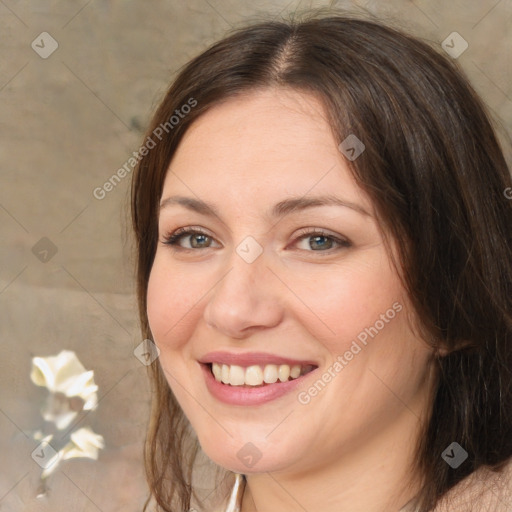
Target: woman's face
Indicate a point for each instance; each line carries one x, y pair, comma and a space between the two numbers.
290, 275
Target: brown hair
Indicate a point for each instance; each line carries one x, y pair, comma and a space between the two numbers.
436, 174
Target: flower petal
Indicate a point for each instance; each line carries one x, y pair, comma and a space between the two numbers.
66, 364
42, 373
84, 443
76, 385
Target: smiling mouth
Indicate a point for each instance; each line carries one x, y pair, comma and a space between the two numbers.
257, 375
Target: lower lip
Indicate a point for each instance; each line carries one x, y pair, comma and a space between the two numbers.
241, 395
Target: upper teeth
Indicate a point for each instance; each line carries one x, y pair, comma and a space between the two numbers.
255, 375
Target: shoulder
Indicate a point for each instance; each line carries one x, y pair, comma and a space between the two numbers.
484, 490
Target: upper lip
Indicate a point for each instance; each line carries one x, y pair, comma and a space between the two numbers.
251, 358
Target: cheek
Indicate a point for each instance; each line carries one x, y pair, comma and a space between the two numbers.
158, 307
171, 297
345, 303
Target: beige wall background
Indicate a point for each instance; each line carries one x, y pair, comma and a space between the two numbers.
67, 123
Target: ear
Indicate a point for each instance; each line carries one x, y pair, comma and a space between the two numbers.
443, 351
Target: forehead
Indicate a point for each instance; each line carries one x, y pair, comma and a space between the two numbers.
266, 143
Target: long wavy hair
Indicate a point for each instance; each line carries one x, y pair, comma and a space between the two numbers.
435, 172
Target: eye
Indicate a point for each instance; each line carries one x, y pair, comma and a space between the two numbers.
320, 241
196, 237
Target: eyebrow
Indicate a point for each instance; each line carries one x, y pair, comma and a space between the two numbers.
281, 209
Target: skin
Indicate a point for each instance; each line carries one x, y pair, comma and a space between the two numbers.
351, 447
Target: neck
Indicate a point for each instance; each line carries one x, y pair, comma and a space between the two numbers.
376, 476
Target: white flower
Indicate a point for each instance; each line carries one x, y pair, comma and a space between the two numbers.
84, 443
72, 388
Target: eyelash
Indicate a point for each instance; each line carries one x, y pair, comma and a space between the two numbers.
172, 239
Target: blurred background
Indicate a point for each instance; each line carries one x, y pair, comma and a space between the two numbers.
79, 81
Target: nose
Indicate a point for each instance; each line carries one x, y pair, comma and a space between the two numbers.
245, 300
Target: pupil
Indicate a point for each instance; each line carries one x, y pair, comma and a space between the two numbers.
195, 237
316, 238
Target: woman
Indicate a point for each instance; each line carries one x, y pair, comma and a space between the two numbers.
324, 264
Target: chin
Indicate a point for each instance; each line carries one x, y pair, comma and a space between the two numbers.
249, 457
